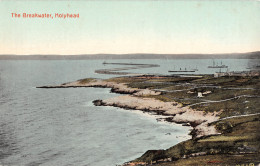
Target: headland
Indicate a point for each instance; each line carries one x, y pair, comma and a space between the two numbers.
224, 113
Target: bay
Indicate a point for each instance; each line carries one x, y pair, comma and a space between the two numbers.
62, 127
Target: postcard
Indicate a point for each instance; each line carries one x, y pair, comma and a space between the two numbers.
122, 82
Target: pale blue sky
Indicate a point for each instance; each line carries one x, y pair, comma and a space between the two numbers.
148, 26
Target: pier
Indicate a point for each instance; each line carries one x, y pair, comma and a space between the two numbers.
116, 71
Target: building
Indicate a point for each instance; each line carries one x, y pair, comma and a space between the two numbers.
238, 73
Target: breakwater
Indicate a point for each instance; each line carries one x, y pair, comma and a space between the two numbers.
116, 71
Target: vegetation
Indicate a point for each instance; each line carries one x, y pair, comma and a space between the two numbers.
232, 95
217, 160
238, 144
239, 140
86, 80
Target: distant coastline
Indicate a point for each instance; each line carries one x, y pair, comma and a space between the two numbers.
249, 55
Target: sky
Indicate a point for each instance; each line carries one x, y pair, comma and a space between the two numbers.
136, 26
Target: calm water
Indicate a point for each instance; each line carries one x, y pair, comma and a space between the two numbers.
53, 127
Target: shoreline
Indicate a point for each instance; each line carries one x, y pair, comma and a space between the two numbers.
136, 99
215, 128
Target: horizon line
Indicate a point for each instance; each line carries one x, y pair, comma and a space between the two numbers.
129, 54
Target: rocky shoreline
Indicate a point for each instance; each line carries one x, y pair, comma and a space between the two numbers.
137, 99
175, 98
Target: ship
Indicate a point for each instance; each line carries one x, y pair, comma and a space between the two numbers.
217, 66
182, 70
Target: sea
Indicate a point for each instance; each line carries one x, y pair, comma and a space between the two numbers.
62, 127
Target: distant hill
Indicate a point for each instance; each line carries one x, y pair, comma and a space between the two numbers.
250, 55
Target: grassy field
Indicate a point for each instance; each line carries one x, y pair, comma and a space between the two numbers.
86, 80
241, 94
239, 141
238, 144
217, 160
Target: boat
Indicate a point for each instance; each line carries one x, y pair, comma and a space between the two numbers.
218, 66
182, 70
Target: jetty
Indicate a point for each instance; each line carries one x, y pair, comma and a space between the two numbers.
133, 64
117, 71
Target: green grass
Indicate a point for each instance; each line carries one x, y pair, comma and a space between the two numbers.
227, 138
240, 136
217, 160
171, 87
86, 80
